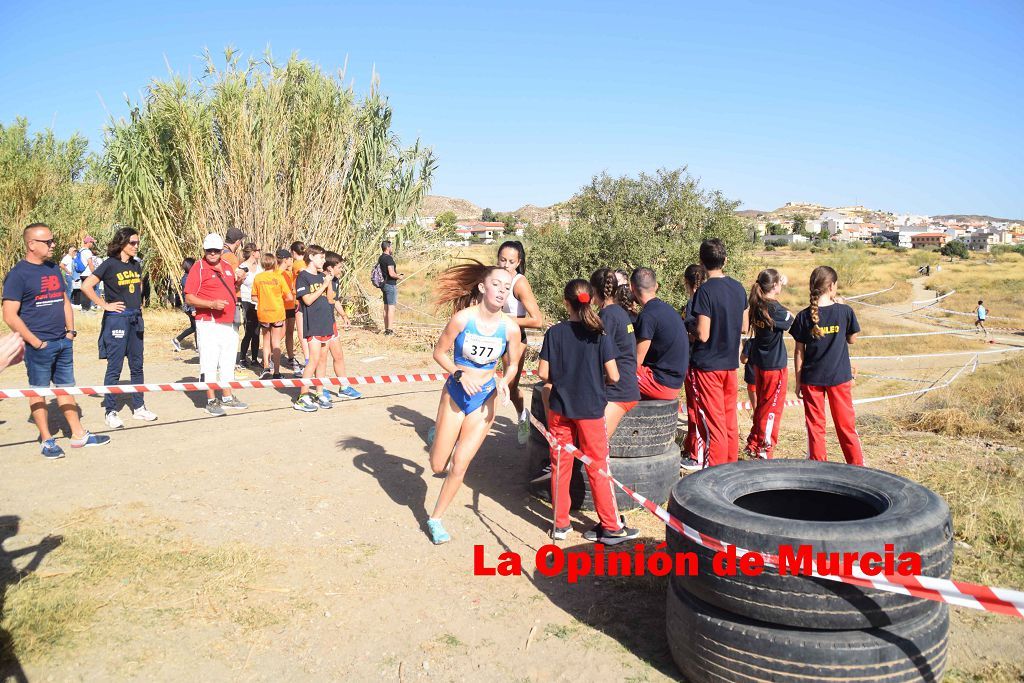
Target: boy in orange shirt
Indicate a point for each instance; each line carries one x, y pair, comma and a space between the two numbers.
284, 267
298, 254
271, 292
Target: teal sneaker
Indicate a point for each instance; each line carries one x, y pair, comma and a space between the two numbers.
437, 533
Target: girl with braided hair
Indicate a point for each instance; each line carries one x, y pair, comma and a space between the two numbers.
577, 362
767, 357
624, 394
693, 457
478, 335
823, 332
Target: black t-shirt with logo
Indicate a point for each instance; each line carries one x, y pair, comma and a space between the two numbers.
122, 282
318, 318
723, 300
576, 358
827, 358
384, 261
619, 328
768, 351
39, 288
668, 356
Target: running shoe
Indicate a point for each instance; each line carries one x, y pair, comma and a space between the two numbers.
112, 420
389, 333
213, 407
176, 344
437, 533
296, 368
233, 403
144, 413
690, 465
266, 374
90, 440
349, 394
305, 404
523, 433
601, 535
322, 401
277, 375
51, 451
560, 534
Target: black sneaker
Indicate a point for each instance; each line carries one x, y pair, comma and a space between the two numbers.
266, 374
689, 464
544, 474
599, 534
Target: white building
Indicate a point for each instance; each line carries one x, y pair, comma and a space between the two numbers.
789, 238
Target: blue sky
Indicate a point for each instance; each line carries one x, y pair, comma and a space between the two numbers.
909, 106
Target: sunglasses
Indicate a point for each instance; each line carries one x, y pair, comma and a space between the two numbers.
48, 243
133, 243
212, 251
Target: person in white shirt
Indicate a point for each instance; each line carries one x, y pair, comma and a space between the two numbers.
251, 336
89, 260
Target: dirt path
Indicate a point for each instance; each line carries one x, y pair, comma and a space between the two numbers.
336, 502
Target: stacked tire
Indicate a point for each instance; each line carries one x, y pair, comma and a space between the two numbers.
643, 455
797, 627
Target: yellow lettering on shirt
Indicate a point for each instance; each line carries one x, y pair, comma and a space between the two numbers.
831, 329
629, 328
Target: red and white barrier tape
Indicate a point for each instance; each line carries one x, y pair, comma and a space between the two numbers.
987, 598
406, 378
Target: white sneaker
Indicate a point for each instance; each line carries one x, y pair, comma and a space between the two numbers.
112, 420
144, 413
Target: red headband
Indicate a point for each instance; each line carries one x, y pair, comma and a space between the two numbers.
583, 298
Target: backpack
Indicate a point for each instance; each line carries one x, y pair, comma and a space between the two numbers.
78, 264
377, 276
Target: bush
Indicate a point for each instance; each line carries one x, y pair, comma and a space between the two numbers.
852, 265
769, 247
656, 221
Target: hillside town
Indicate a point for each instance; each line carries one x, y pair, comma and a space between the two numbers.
908, 231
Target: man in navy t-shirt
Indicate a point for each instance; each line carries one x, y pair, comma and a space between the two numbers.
662, 347
720, 307
36, 306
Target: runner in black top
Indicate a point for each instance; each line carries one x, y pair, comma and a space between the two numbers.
121, 330
624, 394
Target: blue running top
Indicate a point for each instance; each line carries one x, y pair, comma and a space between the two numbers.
480, 351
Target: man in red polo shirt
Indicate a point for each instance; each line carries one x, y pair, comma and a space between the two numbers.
210, 287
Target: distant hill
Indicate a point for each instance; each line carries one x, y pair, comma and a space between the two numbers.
535, 215
975, 217
435, 205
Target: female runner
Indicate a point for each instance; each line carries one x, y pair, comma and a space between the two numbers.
521, 304
478, 334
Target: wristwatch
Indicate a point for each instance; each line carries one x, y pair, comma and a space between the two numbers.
73, 333
457, 375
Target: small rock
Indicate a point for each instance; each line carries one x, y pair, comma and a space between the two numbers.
961, 544
426, 665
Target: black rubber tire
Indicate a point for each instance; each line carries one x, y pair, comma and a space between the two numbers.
644, 431
904, 513
652, 477
709, 644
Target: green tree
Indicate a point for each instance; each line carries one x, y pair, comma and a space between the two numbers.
823, 234
655, 220
488, 216
282, 151
46, 179
955, 249
775, 229
448, 219
800, 226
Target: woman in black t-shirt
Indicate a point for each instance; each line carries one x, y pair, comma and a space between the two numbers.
823, 332
624, 394
121, 330
768, 359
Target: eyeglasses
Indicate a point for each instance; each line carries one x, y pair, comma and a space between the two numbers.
133, 243
48, 243
212, 251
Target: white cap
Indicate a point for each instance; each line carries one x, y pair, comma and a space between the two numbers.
213, 241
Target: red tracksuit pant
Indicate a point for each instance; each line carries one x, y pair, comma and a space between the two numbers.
840, 404
714, 399
589, 436
771, 397
692, 446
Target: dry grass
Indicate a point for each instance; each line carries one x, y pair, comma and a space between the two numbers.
134, 576
999, 281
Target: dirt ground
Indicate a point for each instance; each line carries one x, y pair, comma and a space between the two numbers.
333, 505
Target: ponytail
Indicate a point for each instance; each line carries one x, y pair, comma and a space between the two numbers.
766, 281
579, 295
695, 275
458, 285
822, 278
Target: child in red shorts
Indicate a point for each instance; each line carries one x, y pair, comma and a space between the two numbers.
574, 360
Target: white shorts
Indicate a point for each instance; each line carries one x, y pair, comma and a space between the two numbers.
218, 346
